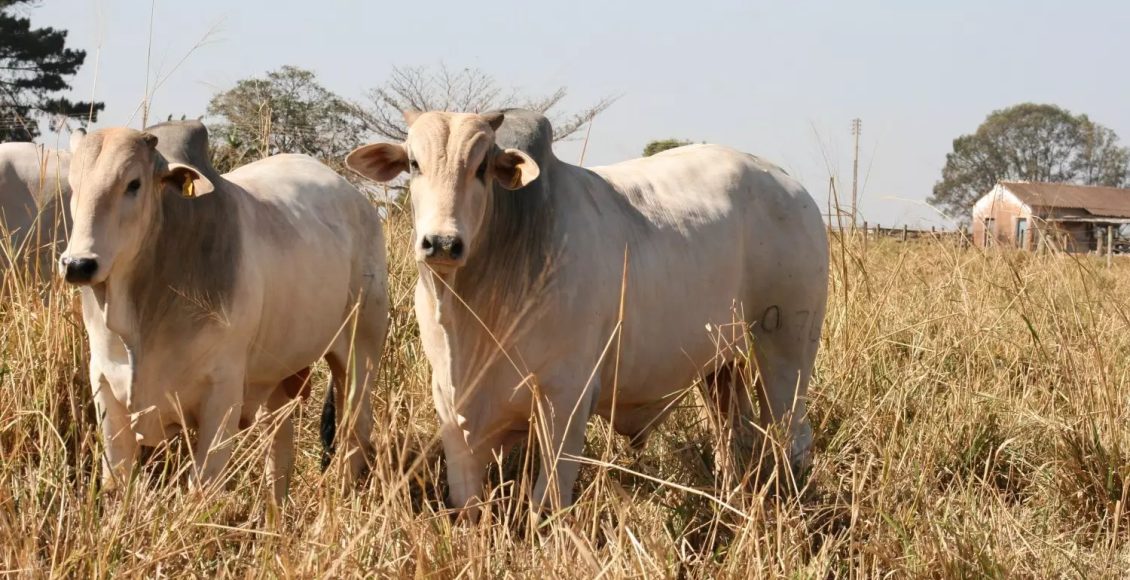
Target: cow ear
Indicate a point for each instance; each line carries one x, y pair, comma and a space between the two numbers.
514, 169
187, 180
378, 161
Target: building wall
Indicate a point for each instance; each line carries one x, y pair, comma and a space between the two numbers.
1000, 211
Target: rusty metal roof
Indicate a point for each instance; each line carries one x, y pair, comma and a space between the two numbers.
1096, 201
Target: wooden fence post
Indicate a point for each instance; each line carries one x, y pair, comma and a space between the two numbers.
904, 232
1109, 245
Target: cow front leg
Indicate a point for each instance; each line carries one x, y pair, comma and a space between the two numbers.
121, 448
217, 425
466, 470
561, 434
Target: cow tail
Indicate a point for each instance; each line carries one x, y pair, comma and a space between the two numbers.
329, 427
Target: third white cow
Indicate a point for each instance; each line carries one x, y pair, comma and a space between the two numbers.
34, 196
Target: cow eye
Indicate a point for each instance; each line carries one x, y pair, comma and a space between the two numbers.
133, 186
415, 166
481, 172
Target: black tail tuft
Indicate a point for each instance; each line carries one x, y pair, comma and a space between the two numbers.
329, 427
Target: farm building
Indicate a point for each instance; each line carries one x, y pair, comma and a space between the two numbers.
1073, 218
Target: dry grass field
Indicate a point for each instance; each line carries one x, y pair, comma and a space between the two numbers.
971, 409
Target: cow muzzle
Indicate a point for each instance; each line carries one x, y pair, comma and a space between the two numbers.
441, 251
79, 271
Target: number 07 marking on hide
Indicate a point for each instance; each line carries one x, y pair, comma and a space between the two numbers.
806, 325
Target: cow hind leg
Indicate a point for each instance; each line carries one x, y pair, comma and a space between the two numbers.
638, 422
352, 370
732, 413
784, 363
354, 360
280, 461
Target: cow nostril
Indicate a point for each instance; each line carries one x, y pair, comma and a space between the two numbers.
79, 270
440, 247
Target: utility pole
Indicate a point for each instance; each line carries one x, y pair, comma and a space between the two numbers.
856, 130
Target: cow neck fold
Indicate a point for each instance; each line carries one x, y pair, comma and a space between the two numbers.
503, 287
488, 304
185, 274
514, 261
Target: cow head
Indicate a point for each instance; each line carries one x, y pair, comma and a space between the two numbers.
452, 159
117, 178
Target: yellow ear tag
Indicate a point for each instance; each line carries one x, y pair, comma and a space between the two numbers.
188, 189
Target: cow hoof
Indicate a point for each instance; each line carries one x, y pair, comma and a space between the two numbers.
467, 516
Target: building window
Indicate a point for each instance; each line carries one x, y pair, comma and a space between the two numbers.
1021, 232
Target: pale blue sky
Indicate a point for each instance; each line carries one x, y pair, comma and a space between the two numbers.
778, 79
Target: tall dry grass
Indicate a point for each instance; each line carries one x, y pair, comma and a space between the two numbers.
970, 410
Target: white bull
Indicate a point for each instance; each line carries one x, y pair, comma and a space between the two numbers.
522, 259
34, 196
205, 296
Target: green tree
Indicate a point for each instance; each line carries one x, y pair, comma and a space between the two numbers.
34, 66
286, 112
661, 145
468, 90
1029, 142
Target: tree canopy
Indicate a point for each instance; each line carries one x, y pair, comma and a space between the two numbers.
661, 145
288, 111
34, 67
468, 90
1029, 142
